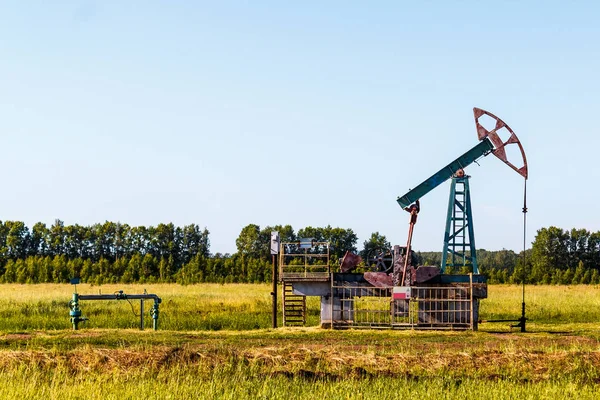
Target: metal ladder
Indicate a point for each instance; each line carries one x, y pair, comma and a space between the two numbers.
459, 237
294, 307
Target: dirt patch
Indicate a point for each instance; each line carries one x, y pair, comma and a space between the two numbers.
17, 336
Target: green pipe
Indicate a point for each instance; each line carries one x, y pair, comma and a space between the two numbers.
154, 312
75, 312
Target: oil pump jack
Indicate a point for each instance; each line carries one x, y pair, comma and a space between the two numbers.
447, 299
396, 292
459, 249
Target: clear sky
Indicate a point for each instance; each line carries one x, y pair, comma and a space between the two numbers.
305, 113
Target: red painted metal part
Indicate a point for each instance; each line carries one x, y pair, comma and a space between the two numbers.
379, 279
500, 146
350, 261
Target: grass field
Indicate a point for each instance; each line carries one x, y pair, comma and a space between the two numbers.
215, 342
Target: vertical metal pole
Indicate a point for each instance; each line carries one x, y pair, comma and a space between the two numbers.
274, 292
155, 315
471, 294
280, 261
449, 222
305, 262
75, 312
331, 299
141, 314
523, 319
282, 275
471, 229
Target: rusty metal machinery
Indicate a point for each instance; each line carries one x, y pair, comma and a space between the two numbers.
459, 239
427, 295
395, 291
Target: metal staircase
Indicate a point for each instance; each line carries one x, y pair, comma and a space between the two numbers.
294, 307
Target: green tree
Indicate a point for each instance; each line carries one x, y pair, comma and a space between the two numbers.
56, 235
149, 268
595, 278
248, 242
10, 272
17, 239
311, 232
46, 270
550, 249
578, 274
193, 242
567, 277
577, 246
87, 271
118, 269
593, 250
133, 272
33, 270
286, 235
22, 275
340, 241
38, 245
166, 269
75, 266
587, 277
375, 243
60, 271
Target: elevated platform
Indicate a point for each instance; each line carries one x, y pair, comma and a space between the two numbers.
306, 277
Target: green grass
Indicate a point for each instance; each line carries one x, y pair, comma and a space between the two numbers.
546, 305
246, 307
215, 342
198, 307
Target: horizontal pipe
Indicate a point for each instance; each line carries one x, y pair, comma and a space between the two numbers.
499, 320
118, 296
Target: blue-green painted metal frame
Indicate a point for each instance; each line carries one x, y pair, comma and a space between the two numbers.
483, 148
459, 235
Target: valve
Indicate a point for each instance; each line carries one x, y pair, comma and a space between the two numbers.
75, 312
154, 313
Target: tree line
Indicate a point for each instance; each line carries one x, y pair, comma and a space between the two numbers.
115, 252
108, 252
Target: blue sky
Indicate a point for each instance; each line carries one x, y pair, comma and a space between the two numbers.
314, 113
